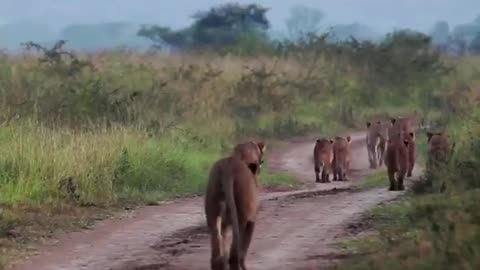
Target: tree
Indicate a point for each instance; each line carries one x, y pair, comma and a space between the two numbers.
221, 26
303, 21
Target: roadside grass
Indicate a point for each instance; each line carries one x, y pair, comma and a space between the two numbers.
375, 180
272, 179
429, 228
429, 232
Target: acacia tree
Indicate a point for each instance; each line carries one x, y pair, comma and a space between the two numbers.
221, 26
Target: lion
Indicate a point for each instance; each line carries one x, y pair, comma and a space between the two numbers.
405, 125
231, 205
438, 148
376, 139
341, 157
322, 159
396, 160
439, 153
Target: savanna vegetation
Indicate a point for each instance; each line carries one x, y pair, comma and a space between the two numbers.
82, 133
431, 227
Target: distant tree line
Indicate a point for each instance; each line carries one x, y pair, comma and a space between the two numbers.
459, 40
229, 27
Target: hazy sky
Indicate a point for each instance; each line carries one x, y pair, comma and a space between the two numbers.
383, 15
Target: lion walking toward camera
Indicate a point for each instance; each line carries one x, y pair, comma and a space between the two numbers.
406, 126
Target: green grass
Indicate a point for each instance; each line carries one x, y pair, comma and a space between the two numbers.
422, 146
428, 232
375, 180
278, 179
107, 165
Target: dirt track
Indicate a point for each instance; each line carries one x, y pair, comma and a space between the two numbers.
294, 231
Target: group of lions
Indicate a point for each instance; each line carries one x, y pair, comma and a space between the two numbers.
231, 204
231, 197
332, 156
392, 143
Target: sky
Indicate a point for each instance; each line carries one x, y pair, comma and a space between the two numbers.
382, 15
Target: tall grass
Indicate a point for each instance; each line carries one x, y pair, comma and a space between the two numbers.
106, 164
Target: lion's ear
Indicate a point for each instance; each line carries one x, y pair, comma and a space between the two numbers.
368, 124
349, 139
331, 141
262, 146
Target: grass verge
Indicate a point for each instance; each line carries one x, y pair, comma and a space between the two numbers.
375, 180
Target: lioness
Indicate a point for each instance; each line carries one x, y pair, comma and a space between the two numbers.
439, 153
405, 125
322, 159
231, 205
396, 160
341, 157
438, 148
376, 140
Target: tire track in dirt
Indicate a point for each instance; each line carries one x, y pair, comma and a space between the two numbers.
293, 227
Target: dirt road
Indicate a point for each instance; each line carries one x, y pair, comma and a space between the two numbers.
294, 231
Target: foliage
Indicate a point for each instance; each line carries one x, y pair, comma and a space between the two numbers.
224, 25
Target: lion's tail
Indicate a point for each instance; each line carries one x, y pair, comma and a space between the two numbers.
230, 199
